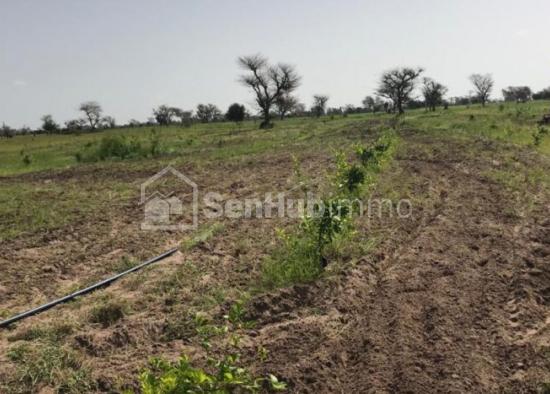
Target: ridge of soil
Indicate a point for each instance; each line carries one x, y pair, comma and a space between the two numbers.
456, 301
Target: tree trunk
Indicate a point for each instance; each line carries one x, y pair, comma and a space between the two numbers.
266, 123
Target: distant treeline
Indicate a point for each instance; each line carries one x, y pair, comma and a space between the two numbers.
273, 87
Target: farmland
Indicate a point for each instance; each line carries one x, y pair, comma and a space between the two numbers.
455, 297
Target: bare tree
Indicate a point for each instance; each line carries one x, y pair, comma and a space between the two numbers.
93, 111
208, 113
6, 131
368, 103
268, 82
398, 85
285, 104
108, 122
319, 104
185, 117
483, 84
299, 109
433, 93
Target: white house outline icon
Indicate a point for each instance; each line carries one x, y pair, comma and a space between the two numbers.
195, 205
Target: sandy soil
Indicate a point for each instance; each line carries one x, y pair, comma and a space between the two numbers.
454, 299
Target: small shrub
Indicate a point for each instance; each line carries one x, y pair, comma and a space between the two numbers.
154, 144
119, 147
27, 160
108, 313
222, 375
539, 134
302, 255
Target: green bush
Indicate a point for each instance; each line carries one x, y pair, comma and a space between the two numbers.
108, 313
119, 147
181, 377
302, 254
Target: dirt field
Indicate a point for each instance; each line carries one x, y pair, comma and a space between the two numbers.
455, 298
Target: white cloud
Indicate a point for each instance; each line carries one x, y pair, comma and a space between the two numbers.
19, 83
522, 32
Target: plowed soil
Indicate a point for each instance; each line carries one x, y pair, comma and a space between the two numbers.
455, 298
456, 301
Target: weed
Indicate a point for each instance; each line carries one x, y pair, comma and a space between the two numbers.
27, 160
48, 365
263, 353
53, 333
539, 134
124, 264
108, 313
201, 236
228, 376
223, 375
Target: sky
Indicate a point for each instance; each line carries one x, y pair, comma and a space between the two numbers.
133, 55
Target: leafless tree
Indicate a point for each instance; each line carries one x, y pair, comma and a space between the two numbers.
299, 109
285, 104
267, 82
6, 131
433, 93
483, 84
208, 113
319, 104
398, 85
185, 117
108, 122
93, 111
368, 103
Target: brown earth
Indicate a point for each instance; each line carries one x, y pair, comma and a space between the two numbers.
458, 300
454, 299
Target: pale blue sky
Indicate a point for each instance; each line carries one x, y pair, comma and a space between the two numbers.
132, 55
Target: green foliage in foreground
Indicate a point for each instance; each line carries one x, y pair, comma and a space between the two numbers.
222, 375
302, 254
181, 377
48, 364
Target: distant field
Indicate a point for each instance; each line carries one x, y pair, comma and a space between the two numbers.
512, 122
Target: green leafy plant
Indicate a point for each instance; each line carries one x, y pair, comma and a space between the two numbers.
539, 134
302, 255
221, 375
227, 376
27, 159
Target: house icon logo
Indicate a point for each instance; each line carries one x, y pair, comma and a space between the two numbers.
170, 201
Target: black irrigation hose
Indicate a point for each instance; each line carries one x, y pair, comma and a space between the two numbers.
89, 289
